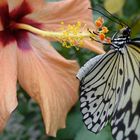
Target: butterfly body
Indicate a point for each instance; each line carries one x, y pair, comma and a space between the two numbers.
110, 88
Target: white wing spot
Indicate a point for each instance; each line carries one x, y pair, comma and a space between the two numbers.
86, 115
89, 126
88, 121
119, 135
114, 130
83, 104
84, 110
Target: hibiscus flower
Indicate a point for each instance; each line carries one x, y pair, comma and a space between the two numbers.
31, 60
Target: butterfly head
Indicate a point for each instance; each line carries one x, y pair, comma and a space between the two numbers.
125, 31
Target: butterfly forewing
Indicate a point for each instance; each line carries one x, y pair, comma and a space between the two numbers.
98, 91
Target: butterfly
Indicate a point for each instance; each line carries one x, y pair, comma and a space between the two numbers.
110, 88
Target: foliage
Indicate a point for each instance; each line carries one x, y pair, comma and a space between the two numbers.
26, 121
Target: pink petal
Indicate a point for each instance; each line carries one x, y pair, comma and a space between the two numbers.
3, 13
50, 80
93, 46
1, 25
70, 12
3, 2
33, 4
8, 79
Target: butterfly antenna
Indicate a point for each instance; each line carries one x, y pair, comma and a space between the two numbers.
106, 16
135, 21
119, 20
115, 19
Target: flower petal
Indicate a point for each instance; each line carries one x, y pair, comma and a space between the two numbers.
93, 46
70, 12
2, 3
1, 25
33, 4
8, 79
50, 80
3, 13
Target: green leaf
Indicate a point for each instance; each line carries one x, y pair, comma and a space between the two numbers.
73, 125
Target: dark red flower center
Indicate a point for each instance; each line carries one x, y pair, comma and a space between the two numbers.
8, 19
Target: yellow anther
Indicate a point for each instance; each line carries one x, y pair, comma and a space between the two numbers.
66, 33
62, 23
68, 46
79, 24
81, 43
71, 35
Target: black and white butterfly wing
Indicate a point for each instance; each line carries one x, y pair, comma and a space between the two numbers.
87, 67
99, 96
110, 90
126, 119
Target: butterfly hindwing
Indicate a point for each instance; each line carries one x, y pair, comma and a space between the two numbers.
126, 120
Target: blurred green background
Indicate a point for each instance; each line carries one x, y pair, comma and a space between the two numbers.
26, 121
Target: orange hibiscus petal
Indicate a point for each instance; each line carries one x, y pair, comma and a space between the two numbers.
93, 46
3, 2
3, 9
1, 25
50, 80
8, 79
68, 11
32, 4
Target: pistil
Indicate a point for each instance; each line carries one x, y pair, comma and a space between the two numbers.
48, 33
70, 35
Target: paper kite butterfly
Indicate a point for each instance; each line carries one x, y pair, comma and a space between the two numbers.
110, 88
